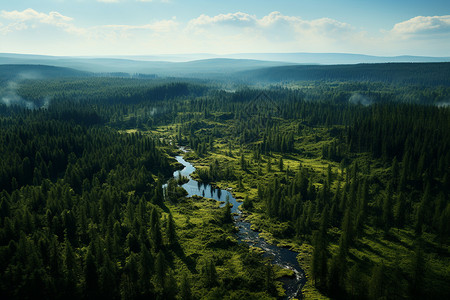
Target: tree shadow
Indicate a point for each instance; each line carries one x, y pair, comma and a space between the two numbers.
190, 261
370, 249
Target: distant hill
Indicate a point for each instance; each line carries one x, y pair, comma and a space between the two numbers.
202, 65
296, 58
336, 58
23, 72
402, 73
18, 67
163, 68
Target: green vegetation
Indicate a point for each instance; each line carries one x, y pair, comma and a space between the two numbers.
340, 187
360, 191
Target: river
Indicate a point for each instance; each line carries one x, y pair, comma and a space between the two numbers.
280, 256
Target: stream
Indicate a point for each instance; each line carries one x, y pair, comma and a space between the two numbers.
280, 256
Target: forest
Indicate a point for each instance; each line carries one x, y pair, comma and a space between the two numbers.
354, 175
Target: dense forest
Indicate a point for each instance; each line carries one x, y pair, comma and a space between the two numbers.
424, 74
353, 175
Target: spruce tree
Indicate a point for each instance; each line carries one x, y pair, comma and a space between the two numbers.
185, 288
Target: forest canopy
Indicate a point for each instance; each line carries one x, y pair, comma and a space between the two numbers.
354, 174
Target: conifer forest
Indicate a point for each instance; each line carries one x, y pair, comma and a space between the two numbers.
347, 167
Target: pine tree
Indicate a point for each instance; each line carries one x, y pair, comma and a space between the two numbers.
90, 275
418, 225
355, 282
171, 233
377, 282
70, 287
209, 274
320, 253
394, 172
243, 163
248, 203
107, 278
387, 209
346, 238
155, 230
145, 269
400, 212
336, 275
227, 217
269, 280
444, 221
185, 288
418, 271
160, 269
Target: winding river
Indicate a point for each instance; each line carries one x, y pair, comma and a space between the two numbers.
280, 256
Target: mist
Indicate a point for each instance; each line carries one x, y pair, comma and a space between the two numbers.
357, 98
443, 104
10, 97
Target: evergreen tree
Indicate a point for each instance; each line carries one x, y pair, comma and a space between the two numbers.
377, 282
400, 212
70, 287
346, 238
355, 282
209, 274
387, 210
90, 275
146, 268
160, 269
320, 254
418, 271
185, 288
171, 233
227, 217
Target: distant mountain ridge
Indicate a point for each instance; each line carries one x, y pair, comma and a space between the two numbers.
338, 58
224, 69
164, 68
193, 64
429, 74
294, 57
14, 72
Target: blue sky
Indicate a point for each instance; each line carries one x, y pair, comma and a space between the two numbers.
144, 27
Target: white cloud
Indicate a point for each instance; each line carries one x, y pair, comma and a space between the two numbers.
108, 1
29, 18
273, 31
159, 26
274, 20
12, 27
233, 19
21, 20
423, 26
30, 14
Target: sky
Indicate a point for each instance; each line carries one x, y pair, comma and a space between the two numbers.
155, 27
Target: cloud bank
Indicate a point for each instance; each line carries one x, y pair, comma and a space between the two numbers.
222, 33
